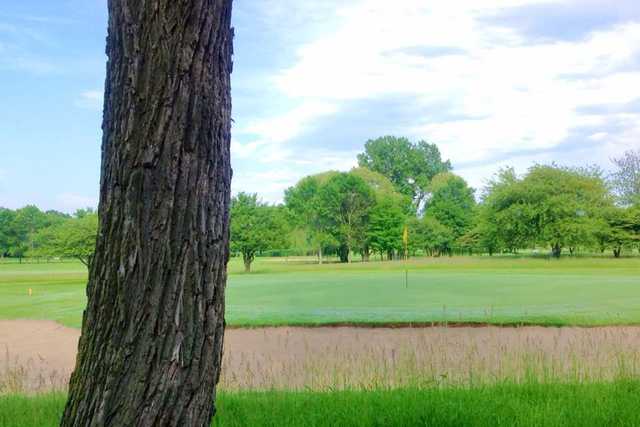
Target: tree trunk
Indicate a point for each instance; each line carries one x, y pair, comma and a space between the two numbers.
366, 253
152, 333
247, 259
320, 255
343, 253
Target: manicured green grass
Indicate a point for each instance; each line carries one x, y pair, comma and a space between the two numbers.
530, 404
579, 291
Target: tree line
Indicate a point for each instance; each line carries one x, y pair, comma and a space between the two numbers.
550, 209
397, 184
31, 232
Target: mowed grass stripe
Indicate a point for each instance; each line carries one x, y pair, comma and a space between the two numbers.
499, 291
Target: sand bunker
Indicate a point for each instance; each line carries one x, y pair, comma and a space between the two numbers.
40, 355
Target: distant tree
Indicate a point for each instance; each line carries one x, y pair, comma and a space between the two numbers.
410, 167
619, 230
434, 237
302, 201
81, 213
344, 204
500, 217
485, 233
552, 206
26, 223
7, 232
451, 203
383, 188
388, 215
255, 227
72, 238
386, 223
626, 178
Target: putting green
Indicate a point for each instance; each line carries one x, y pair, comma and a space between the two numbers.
578, 291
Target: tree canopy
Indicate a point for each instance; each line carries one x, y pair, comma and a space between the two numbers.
71, 238
451, 202
344, 204
255, 227
626, 178
409, 166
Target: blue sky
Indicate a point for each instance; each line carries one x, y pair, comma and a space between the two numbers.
492, 82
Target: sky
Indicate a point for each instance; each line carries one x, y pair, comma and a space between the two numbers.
493, 83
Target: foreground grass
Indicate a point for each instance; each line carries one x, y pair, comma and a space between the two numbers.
578, 291
532, 404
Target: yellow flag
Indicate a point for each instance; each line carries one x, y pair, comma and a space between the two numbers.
405, 236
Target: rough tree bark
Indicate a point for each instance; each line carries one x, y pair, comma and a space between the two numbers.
152, 333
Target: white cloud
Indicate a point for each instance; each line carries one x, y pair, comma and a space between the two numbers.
268, 136
91, 99
508, 93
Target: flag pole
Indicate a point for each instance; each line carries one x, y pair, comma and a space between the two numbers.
405, 240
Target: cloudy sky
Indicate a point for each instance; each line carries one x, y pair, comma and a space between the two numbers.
492, 82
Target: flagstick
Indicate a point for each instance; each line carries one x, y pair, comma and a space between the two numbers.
405, 240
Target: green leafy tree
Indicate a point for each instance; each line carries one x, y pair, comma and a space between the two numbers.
81, 213
552, 206
256, 227
626, 178
383, 188
451, 203
344, 204
501, 223
433, 237
7, 232
619, 230
485, 231
388, 215
26, 224
70, 238
302, 201
409, 166
386, 223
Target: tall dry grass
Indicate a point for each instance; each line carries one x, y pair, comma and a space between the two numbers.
327, 359
19, 376
436, 357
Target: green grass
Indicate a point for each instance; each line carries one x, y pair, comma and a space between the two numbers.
578, 291
529, 404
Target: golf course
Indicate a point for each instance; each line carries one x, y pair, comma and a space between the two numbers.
484, 290
430, 341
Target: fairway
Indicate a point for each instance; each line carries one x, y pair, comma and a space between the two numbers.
576, 291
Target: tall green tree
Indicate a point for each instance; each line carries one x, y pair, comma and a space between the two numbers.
409, 166
7, 235
619, 230
626, 178
302, 201
385, 226
551, 206
388, 215
344, 204
499, 217
26, 224
451, 203
71, 238
256, 227
433, 237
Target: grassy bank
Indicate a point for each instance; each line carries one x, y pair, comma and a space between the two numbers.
532, 404
571, 291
